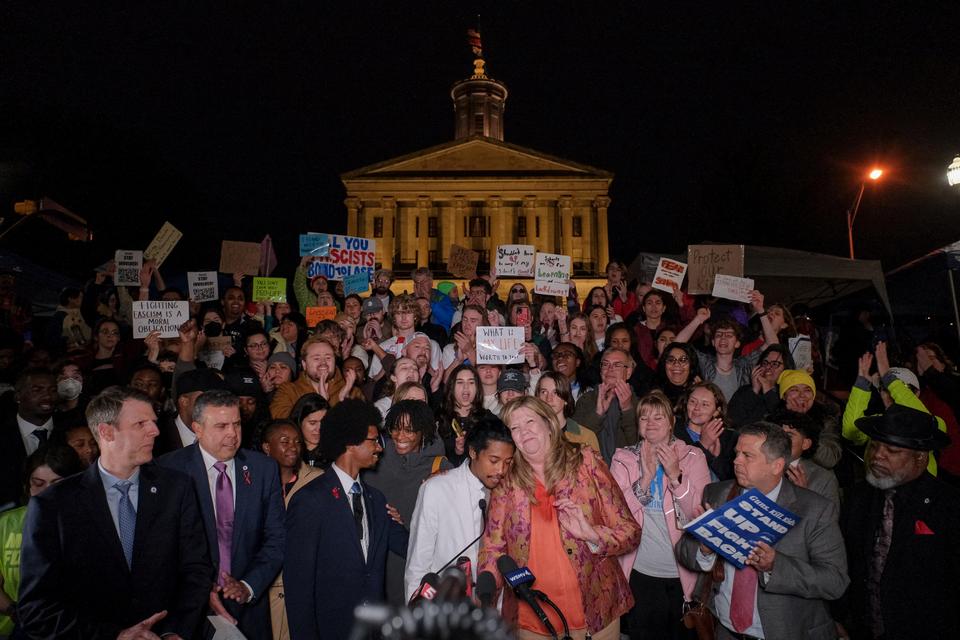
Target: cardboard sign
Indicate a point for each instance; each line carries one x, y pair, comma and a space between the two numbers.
515, 260
239, 257
463, 262
801, 348
704, 261
356, 283
269, 290
669, 273
346, 256
314, 244
164, 316
316, 314
734, 529
268, 257
128, 264
732, 287
499, 345
551, 274
203, 286
162, 243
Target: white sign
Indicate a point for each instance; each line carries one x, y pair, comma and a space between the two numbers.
128, 264
732, 287
515, 260
223, 630
499, 345
801, 348
669, 273
203, 286
552, 274
164, 316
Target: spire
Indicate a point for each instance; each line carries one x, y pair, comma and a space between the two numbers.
478, 102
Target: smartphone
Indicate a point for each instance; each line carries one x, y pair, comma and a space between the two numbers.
523, 316
457, 429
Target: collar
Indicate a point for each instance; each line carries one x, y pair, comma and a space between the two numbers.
27, 427
472, 480
209, 460
108, 479
345, 480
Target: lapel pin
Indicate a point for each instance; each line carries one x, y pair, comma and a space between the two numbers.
153, 489
246, 475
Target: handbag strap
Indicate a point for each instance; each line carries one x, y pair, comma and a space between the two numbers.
716, 571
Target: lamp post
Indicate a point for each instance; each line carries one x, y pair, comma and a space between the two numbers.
953, 178
874, 175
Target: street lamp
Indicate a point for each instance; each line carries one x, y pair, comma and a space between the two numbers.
874, 175
953, 172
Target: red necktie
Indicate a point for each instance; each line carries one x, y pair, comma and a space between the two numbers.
742, 598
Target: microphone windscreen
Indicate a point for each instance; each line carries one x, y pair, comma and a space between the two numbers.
506, 564
486, 588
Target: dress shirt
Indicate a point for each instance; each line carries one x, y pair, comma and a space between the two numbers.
30, 442
347, 483
446, 518
187, 436
721, 602
113, 494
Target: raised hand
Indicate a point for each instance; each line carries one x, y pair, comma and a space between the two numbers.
141, 630
710, 436
863, 367
572, 519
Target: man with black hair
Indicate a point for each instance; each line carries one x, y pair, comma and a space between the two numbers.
24, 428
448, 516
338, 530
804, 434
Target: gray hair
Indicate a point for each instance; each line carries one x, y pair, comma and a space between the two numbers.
105, 407
776, 443
421, 271
213, 398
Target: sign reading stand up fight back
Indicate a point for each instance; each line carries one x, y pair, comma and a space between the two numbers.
341, 256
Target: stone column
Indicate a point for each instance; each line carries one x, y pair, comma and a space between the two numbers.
387, 245
496, 232
529, 213
566, 225
424, 209
602, 253
355, 226
447, 231
455, 234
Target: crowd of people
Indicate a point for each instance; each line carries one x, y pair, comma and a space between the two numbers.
277, 475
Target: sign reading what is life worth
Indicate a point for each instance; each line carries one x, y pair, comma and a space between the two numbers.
345, 256
499, 345
552, 274
164, 316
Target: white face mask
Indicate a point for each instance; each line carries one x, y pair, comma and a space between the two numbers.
69, 388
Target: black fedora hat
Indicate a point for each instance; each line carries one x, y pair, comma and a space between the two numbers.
904, 427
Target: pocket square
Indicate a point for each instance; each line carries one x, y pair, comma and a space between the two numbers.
921, 529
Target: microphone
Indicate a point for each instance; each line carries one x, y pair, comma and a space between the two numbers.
427, 589
464, 564
520, 581
486, 589
453, 585
483, 510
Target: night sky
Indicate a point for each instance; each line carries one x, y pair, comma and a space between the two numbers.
730, 122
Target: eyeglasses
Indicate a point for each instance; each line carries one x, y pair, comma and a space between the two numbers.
676, 360
771, 363
518, 290
257, 345
613, 365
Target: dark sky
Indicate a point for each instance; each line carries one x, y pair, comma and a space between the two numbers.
733, 122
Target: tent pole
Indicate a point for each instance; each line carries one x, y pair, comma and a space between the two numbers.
953, 297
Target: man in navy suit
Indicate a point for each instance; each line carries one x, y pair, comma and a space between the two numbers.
338, 531
242, 510
117, 551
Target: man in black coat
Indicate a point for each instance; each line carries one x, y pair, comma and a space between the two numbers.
902, 529
118, 551
24, 428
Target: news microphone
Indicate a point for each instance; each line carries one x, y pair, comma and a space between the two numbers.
483, 510
453, 585
427, 589
464, 564
486, 589
520, 581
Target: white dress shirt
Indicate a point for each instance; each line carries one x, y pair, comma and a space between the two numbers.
446, 518
30, 442
113, 494
347, 483
187, 436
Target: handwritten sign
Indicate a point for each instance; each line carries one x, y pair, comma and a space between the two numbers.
239, 257
346, 256
704, 261
356, 283
314, 244
463, 262
669, 273
732, 287
162, 243
128, 264
735, 528
316, 314
203, 286
551, 274
164, 316
515, 260
499, 345
269, 290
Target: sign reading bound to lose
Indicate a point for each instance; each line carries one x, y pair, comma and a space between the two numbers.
515, 260
499, 345
203, 286
346, 255
552, 274
164, 316
269, 290
669, 273
704, 261
128, 265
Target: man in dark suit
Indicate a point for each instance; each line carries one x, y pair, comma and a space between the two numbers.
783, 591
176, 430
902, 528
338, 531
24, 429
242, 510
118, 549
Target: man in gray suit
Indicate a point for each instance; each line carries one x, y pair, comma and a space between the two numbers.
804, 434
782, 592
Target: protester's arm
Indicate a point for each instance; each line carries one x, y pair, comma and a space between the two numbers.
703, 314
829, 449
301, 290
586, 411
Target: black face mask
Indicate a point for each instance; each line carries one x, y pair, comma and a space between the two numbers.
212, 329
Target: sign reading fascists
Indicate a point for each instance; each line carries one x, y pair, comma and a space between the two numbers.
164, 316
499, 345
345, 256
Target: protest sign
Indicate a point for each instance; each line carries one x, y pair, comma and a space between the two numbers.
732, 287
164, 316
314, 244
463, 262
203, 286
356, 283
239, 257
515, 260
704, 261
346, 256
162, 243
669, 273
499, 345
269, 290
801, 348
128, 265
268, 257
316, 314
552, 274
735, 528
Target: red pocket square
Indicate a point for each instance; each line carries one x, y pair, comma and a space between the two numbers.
921, 529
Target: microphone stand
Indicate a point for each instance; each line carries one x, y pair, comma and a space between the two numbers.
543, 598
483, 512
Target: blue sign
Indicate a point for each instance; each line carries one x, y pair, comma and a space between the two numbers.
314, 244
357, 282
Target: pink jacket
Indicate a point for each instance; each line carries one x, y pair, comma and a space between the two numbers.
625, 468
605, 591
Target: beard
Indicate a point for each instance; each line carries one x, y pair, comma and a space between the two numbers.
883, 482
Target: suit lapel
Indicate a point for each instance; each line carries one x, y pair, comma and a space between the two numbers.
245, 498
343, 508
375, 522
198, 471
148, 506
96, 498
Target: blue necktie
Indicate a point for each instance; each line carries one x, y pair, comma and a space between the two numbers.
357, 507
127, 519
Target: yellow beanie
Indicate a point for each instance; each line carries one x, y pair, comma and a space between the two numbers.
792, 377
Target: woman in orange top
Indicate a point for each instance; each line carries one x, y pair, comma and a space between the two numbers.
559, 502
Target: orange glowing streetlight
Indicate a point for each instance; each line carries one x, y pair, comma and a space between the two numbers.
875, 174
